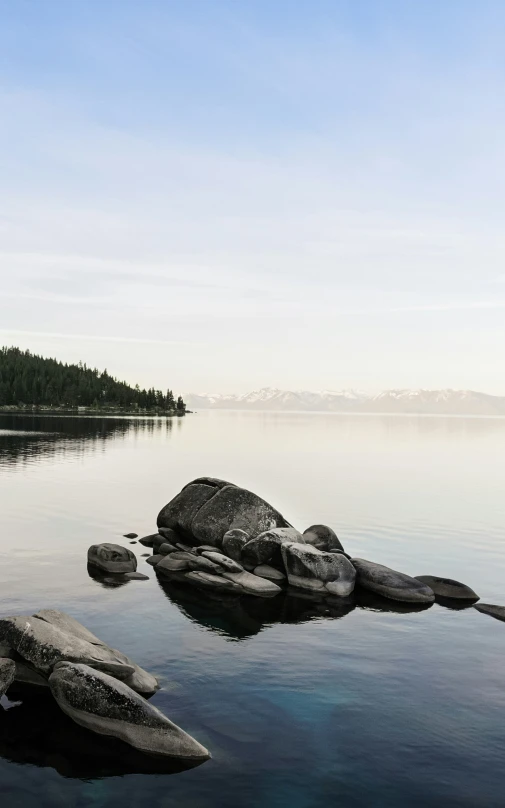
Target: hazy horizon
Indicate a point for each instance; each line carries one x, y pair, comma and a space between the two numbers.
228, 197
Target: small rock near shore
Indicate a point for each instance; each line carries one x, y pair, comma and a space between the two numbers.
130, 535
322, 537
112, 558
447, 588
390, 583
493, 611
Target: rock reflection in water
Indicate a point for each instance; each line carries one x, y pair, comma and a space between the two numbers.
38, 733
107, 579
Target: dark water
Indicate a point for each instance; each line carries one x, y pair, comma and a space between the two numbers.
302, 705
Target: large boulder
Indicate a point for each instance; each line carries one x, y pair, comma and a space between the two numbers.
322, 537
51, 636
102, 704
310, 568
7, 674
447, 588
266, 548
491, 609
206, 509
112, 558
391, 583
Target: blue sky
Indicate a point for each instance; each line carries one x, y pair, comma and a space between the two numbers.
227, 195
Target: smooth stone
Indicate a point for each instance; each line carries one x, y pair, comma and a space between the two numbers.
447, 588
179, 513
7, 674
252, 584
203, 547
136, 576
223, 561
305, 565
322, 537
265, 571
130, 535
145, 555
266, 548
133, 542
169, 535
491, 609
112, 558
154, 560
185, 548
182, 562
206, 579
233, 541
148, 541
69, 624
102, 704
166, 548
390, 583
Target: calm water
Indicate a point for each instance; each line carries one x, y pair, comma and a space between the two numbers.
302, 706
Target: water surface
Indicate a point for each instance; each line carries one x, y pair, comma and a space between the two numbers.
302, 703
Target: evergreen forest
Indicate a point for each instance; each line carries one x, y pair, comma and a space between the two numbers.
28, 381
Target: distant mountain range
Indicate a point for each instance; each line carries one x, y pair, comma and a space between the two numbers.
423, 402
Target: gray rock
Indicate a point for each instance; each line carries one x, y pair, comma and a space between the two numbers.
310, 568
208, 581
252, 584
166, 548
391, 583
169, 535
7, 674
447, 588
206, 509
136, 576
102, 704
266, 548
155, 559
223, 561
130, 535
203, 547
233, 542
186, 562
489, 608
265, 571
185, 548
148, 541
53, 636
322, 537
112, 558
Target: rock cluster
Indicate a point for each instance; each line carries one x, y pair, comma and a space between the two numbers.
97, 686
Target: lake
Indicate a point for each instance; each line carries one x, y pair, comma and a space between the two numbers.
301, 704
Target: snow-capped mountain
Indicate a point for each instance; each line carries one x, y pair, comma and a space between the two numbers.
443, 402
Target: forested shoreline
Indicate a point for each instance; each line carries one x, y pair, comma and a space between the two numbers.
29, 382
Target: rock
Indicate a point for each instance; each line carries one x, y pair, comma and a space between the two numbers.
136, 576
145, 555
130, 535
169, 535
390, 583
203, 547
447, 588
7, 674
223, 561
186, 562
185, 548
133, 542
155, 559
489, 608
322, 537
102, 704
112, 558
233, 541
206, 509
310, 568
266, 548
265, 571
252, 585
209, 581
148, 541
68, 624
27, 675
166, 548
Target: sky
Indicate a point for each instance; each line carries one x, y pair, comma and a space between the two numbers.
221, 196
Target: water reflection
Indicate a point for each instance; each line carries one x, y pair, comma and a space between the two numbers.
38, 733
26, 439
107, 579
238, 618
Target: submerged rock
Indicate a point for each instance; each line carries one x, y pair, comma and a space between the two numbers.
206, 509
322, 537
391, 583
130, 535
489, 608
136, 576
112, 558
310, 568
7, 674
102, 704
266, 548
447, 588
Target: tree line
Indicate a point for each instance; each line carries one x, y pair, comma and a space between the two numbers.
27, 380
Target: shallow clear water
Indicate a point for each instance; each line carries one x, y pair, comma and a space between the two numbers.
371, 704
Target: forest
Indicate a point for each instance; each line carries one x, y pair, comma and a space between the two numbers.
28, 381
